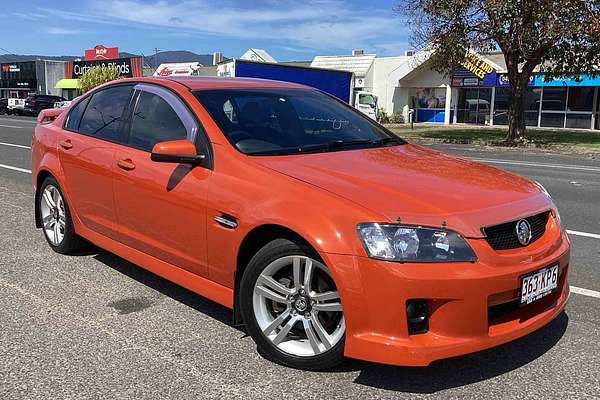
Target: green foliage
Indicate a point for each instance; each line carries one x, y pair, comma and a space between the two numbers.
397, 118
557, 37
385, 118
97, 76
382, 116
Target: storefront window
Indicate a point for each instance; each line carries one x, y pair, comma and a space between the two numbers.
581, 99
474, 105
430, 98
583, 121
553, 120
532, 106
501, 104
554, 99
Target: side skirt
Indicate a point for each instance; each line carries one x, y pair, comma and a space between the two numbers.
197, 284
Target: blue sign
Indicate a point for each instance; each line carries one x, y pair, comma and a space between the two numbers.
502, 80
584, 80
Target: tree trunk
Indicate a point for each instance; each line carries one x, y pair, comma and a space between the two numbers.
516, 111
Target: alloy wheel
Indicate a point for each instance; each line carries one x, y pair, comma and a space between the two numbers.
52, 209
297, 306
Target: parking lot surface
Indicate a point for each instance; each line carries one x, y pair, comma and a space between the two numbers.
95, 326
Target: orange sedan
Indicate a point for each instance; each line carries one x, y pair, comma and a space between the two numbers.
325, 233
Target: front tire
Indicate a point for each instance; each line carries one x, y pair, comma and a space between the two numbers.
55, 217
291, 307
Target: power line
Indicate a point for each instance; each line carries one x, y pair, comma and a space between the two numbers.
6, 51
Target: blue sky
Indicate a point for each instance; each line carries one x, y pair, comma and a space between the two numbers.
289, 30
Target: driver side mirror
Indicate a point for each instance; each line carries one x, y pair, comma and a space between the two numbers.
177, 151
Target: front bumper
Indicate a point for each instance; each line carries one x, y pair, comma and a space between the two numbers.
463, 301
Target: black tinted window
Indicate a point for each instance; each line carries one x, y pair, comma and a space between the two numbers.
287, 121
75, 115
104, 113
154, 121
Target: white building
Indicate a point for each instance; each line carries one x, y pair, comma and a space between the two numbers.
475, 93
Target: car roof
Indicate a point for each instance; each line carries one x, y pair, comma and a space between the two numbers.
205, 83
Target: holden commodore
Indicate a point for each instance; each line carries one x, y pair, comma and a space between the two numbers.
327, 235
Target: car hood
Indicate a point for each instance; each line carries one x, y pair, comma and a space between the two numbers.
418, 186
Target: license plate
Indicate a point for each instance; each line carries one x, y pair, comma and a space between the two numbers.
538, 284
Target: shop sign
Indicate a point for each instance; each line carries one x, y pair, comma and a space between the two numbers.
123, 65
503, 80
471, 82
101, 52
10, 68
476, 65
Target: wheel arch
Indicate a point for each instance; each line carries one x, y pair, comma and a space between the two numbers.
39, 179
254, 240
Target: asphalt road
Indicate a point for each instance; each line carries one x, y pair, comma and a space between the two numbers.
95, 326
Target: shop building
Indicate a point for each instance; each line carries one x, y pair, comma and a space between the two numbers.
475, 93
21, 79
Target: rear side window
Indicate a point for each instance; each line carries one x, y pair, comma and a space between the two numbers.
105, 112
154, 121
75, 115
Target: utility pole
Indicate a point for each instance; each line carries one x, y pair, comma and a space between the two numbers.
156, 50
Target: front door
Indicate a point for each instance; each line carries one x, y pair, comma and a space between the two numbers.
86, 149
161, 207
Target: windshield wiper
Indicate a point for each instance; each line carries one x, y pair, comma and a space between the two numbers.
388, 140
333, 145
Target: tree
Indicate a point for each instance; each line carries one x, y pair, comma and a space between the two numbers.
556, 37
97, 76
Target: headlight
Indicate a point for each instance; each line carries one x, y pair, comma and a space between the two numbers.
405, 243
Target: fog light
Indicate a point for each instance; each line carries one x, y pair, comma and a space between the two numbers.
416, 316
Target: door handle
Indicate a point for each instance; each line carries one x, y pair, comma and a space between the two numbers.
66, 144
126, 164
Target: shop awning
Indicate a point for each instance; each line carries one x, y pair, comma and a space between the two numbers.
68, 84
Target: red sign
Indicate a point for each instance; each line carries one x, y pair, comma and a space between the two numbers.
101, 52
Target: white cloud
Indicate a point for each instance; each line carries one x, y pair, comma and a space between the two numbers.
310, 24
61, 31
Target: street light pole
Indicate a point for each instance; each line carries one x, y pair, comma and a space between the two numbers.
156, 50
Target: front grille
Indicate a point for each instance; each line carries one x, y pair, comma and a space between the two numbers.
504, 236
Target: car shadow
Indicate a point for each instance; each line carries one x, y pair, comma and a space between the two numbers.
440, 375
167, 288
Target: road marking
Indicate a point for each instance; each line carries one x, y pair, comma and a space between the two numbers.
14, 145
15, 168
12, 126
14, 120
585, 234
585, 292
535, 164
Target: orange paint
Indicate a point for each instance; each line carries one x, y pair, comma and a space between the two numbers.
160, 215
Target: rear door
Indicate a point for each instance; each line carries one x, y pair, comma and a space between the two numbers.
161, 207
93, 132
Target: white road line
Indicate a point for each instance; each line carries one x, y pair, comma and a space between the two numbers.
15, 120
15, 168
12, 126
585, 234
585, 292
14, 145
535, 164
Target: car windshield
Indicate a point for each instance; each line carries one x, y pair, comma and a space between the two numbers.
291, 121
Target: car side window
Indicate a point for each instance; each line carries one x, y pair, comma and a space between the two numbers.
75, 115
105, 112
159, 117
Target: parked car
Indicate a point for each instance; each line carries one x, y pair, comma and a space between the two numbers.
3, 106
325, 233
15, 106
39, 102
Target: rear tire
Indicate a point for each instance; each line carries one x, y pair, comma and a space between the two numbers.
291, 307
55, 216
